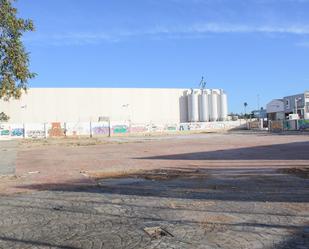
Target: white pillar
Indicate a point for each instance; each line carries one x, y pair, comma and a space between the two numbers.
45, 131
24, 128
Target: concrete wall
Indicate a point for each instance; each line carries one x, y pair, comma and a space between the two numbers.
88, 104
96, 129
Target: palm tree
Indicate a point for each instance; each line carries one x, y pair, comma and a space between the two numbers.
245, 106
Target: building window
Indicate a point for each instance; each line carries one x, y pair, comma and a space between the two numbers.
287, 104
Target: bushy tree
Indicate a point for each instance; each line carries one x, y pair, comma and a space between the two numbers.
14, 60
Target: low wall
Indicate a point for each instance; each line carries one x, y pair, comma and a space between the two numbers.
255, 125
289, 125
57, 129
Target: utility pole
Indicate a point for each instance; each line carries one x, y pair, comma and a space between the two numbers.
258, 105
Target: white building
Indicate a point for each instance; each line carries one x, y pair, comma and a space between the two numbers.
275, 110
138, 105
297, 104
280, 109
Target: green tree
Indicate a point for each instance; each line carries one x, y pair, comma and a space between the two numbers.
14, 60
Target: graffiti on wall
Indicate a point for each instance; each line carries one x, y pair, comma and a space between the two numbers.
155, 128
190, 127
138, 128
195, 126
100, 128
183, 127
12, 130
210, 126
4, 130
214, 126
120, 129
56, 130
303, 124
35, 133
17, 132
171, 127
35, 130
77, 129
290, 125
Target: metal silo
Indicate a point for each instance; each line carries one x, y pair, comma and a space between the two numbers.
214, 106
204, 106
223, 106
193, 110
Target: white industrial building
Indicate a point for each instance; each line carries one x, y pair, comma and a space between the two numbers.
138, 105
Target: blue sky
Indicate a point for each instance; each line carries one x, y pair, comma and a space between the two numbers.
247, 47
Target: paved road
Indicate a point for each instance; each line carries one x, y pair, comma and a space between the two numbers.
251, 209
8, 151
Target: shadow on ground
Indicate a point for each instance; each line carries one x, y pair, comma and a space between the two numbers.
259, 185
289, 151
299, 239
256, 219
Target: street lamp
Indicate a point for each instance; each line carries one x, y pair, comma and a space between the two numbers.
127, 109
23, 109
296, 103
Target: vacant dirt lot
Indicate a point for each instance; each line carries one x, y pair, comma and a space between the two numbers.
232, 190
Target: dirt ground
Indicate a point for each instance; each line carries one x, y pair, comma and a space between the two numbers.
227, 190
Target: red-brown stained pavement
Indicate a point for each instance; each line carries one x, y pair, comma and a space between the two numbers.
65, 163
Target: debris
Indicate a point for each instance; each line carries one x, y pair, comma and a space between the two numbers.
84, 173
34, 172
58, 208
157, 232
172, 205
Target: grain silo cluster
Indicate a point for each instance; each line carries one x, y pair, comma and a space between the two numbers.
207, 105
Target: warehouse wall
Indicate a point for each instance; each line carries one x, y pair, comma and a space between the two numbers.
85, 104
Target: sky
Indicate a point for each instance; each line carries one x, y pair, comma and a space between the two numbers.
253, 49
